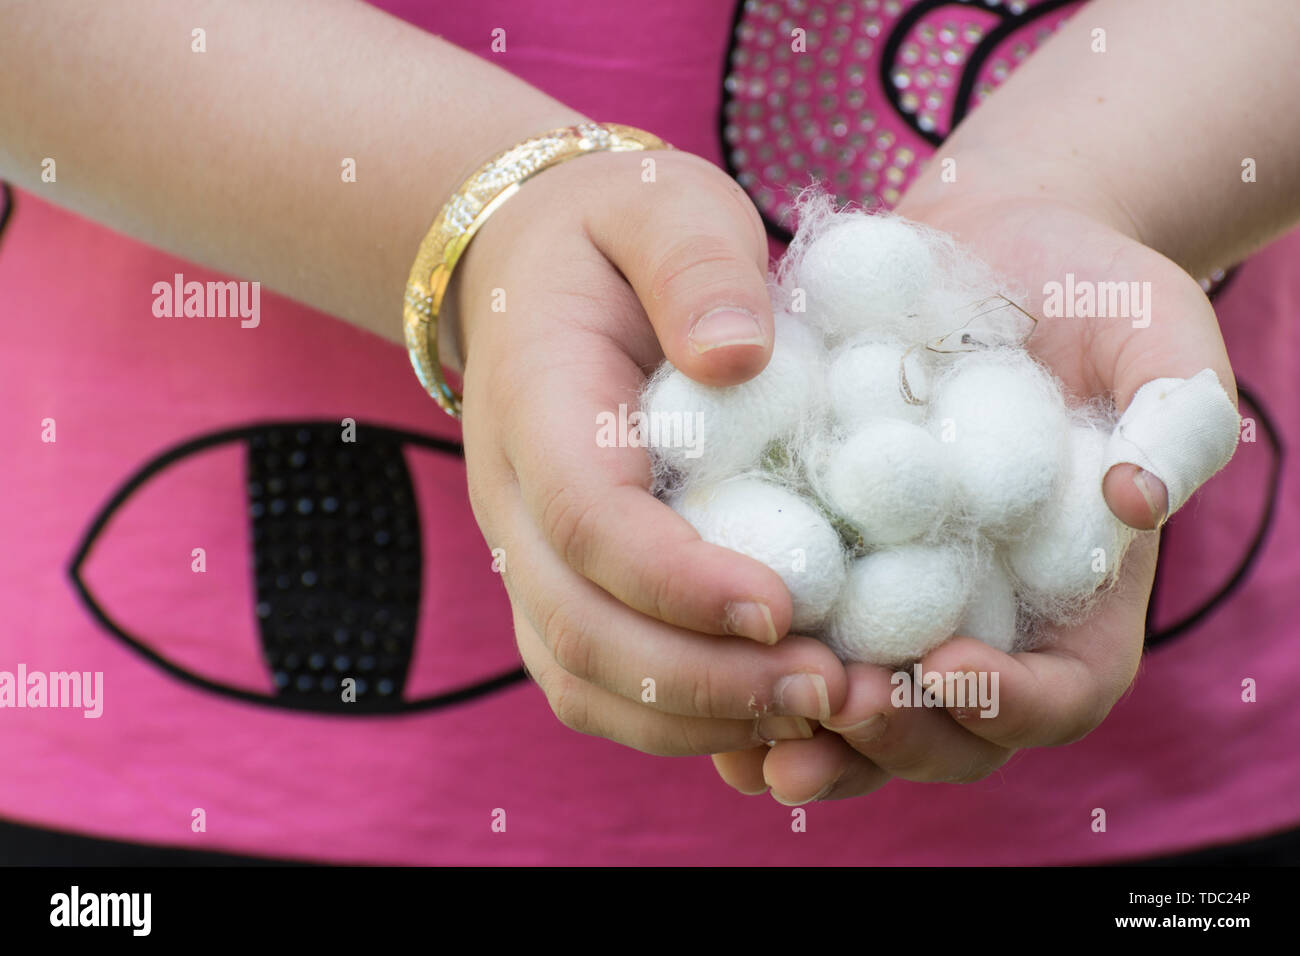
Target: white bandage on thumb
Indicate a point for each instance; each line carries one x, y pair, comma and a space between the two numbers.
1182, 430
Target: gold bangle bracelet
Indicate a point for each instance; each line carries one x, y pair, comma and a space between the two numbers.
469, 207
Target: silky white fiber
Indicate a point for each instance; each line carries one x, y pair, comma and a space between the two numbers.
990, 613
778, 528
868, 276
899, 603
738, 423
890, 479
874, 380
1182, 430
904, 463
1077, 544
1005, 420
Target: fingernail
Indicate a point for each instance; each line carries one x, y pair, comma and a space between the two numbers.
1150, 487
772, 727
726, 327
864, 732
802, 694
813, 799
751, 619
825, 791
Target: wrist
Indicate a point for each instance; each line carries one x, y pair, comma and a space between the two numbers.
996, 177
451, 333
469, 208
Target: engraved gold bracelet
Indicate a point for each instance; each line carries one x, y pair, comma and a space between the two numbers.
469, 207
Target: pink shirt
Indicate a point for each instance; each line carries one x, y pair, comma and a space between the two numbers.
184, 433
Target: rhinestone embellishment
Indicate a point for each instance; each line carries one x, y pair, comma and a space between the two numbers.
793, 101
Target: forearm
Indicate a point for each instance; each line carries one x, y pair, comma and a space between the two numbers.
1153, 131
234, 157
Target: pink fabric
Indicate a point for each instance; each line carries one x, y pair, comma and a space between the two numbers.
1181, 762
814, 104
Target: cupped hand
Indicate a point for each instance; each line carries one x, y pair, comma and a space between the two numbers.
1060, 692
635, 629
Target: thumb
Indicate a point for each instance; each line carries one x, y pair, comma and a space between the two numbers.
1178, 401
695, 253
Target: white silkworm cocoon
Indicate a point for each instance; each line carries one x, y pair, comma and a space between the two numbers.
899, 603
1006, 422
990, 614
732, 426
890, 480
903, 463
1077, 544
869, 276
875, 380
778, 528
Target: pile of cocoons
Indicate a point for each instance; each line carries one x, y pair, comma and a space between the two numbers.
904, 464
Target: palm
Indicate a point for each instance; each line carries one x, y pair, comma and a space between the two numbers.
1060, 692
1035, 242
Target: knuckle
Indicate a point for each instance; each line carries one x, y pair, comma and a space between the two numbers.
568, 700
568, 520
665, 592
702, 694
695, 265
538, 670
569, 645
690, 739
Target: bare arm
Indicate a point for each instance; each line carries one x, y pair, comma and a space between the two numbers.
233, 157
1153, 131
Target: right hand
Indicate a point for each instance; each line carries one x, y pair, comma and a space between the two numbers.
1059, 692
603, 276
